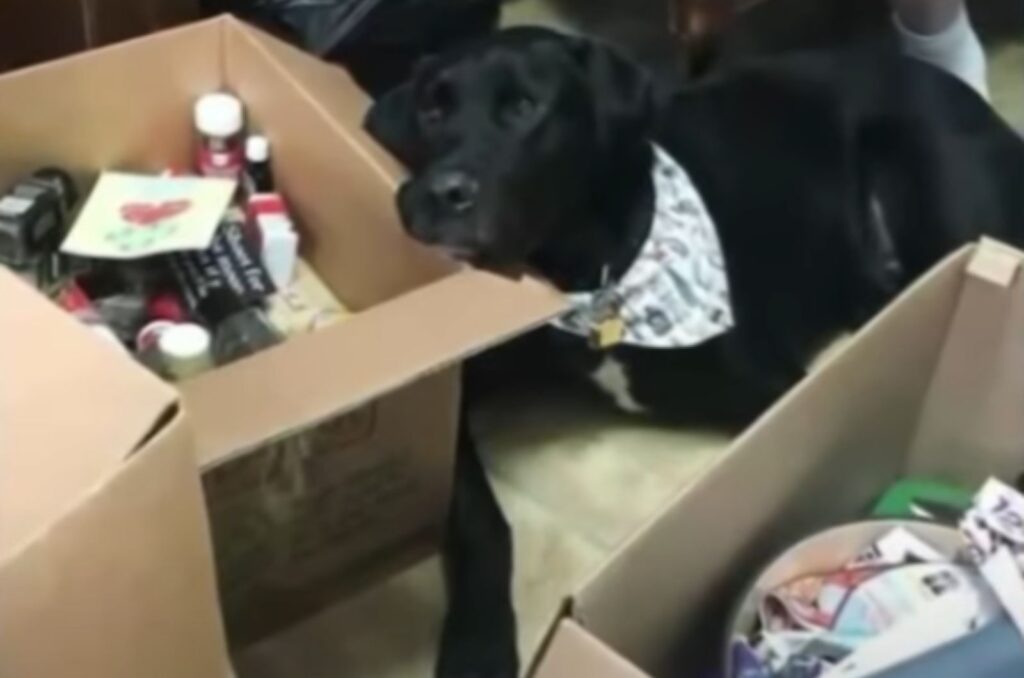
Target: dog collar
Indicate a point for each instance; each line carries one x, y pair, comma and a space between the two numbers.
676, 293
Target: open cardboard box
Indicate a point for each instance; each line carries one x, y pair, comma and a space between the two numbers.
105, 563
295, 523
934, 387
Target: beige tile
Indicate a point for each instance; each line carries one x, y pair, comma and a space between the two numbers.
388, 632
530, 12
549, 562
1006, 78
600, 473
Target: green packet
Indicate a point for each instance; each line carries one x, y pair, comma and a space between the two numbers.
923, 499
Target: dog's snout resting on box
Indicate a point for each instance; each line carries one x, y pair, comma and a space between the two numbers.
711, 239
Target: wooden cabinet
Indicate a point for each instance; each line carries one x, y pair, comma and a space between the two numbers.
41, 30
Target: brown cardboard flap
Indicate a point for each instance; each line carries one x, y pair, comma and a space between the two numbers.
122, 584
314, 377
328, 169
126, 107
72, 408
575, 653
818, 457
975, 406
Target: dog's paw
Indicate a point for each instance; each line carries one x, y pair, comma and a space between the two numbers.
483, 651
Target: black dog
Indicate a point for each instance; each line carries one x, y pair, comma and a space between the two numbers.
830, 180
833, 179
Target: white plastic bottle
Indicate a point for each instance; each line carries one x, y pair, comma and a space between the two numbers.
220, 123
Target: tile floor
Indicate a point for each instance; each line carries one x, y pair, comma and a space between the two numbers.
574, 480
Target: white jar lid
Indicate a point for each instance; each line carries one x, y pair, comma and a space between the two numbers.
257, 148
219, 115
149, 336
186, 341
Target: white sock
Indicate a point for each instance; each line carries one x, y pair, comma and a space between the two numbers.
956, 49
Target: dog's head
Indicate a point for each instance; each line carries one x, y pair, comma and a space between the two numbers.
504, 140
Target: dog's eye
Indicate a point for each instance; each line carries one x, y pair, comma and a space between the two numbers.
517, 109
433, 114
437, 103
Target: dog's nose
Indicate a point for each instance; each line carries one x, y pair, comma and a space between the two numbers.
455, 190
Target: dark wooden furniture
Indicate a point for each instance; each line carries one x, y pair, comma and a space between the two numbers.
40, 30
699, 24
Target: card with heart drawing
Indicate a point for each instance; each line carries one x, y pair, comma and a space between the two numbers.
131, 216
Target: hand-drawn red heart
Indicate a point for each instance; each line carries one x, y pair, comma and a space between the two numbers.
147, 214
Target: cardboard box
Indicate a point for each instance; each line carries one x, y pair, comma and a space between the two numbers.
41, 30
105, 562
933, 387
328, 459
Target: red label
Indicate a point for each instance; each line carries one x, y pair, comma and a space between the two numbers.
226, 164
166, 306
74, 299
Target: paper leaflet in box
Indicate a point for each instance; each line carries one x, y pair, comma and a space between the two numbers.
929, 389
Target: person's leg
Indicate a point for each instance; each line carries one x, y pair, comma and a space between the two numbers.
940, 32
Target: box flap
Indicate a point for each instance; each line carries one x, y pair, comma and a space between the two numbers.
974, 404
316, 376
574, 652
72, 408
123, 585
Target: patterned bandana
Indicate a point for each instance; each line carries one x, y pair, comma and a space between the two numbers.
676, 293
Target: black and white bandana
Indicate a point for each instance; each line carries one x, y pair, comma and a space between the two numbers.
676, 293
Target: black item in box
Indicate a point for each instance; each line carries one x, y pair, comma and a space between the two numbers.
224, 279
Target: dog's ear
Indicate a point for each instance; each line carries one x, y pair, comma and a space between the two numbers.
622, 91
391, 120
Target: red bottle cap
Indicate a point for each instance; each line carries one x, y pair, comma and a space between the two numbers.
166, 306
